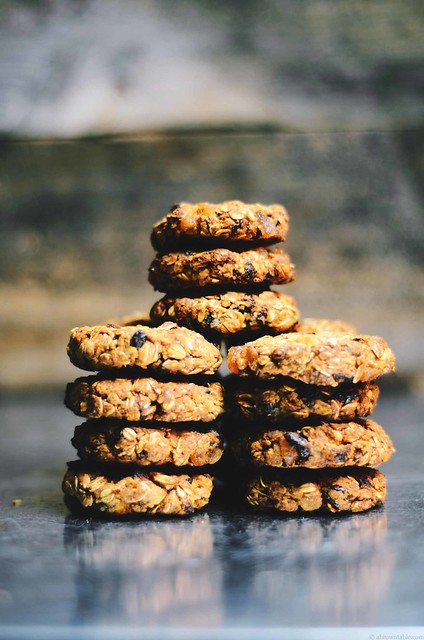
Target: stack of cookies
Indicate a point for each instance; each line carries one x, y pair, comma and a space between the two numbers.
300, 395
152, 414
216, 267
301, 403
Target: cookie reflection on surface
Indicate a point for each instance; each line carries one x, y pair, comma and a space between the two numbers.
175, 596
339, 568
141, 544
143, 571
350, 593
295, 537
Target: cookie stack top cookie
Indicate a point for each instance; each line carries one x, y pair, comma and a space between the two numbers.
322, 358
217, 224
216, 265
167, 349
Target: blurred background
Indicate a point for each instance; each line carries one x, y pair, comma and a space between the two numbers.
111, 111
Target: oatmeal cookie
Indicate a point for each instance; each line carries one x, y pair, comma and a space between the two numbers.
129, 443
167, 348
322, 325
314, 358
124, 493
282, 398
341, 491
217, 268
145, 399
329, 444
230, 312
231, 221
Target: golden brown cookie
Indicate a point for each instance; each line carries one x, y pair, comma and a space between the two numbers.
122, 493
145, 399
328, 444
341, 491
231, 221
130, 443
314, 358
220, 268
230, 312
167, 348
284, 398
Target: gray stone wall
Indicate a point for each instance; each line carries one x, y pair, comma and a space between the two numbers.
72, 67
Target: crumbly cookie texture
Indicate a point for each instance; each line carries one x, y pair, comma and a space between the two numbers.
320, 358
320, 325
129, 443
228, 221
150, 492
284, 398
220, 268
231, 312
350, 492
145, 399
168, 348
329, 444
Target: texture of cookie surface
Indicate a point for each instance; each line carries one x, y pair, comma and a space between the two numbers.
329, 444
167, 348
228, 221
145, 399
350, 491
320, 325
314, 358
220, 268
284, 398
129, 443
150, 492
230, 312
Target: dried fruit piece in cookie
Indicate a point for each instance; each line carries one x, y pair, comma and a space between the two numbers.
230, 312
329, 444
320, 325
217, 268
314, 358
130, 443
145, 399
348, 491
225, 222
284, 398
123, 493
167, 348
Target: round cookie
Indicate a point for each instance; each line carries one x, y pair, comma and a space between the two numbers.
116, 442
220, 268
167, 348
329, 444
349, 491
122, 493
314, 358
322, 325
283, 398
145, 399
231, 221
230, 312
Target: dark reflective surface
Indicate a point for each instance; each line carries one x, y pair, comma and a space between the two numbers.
146, 572
222, 573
